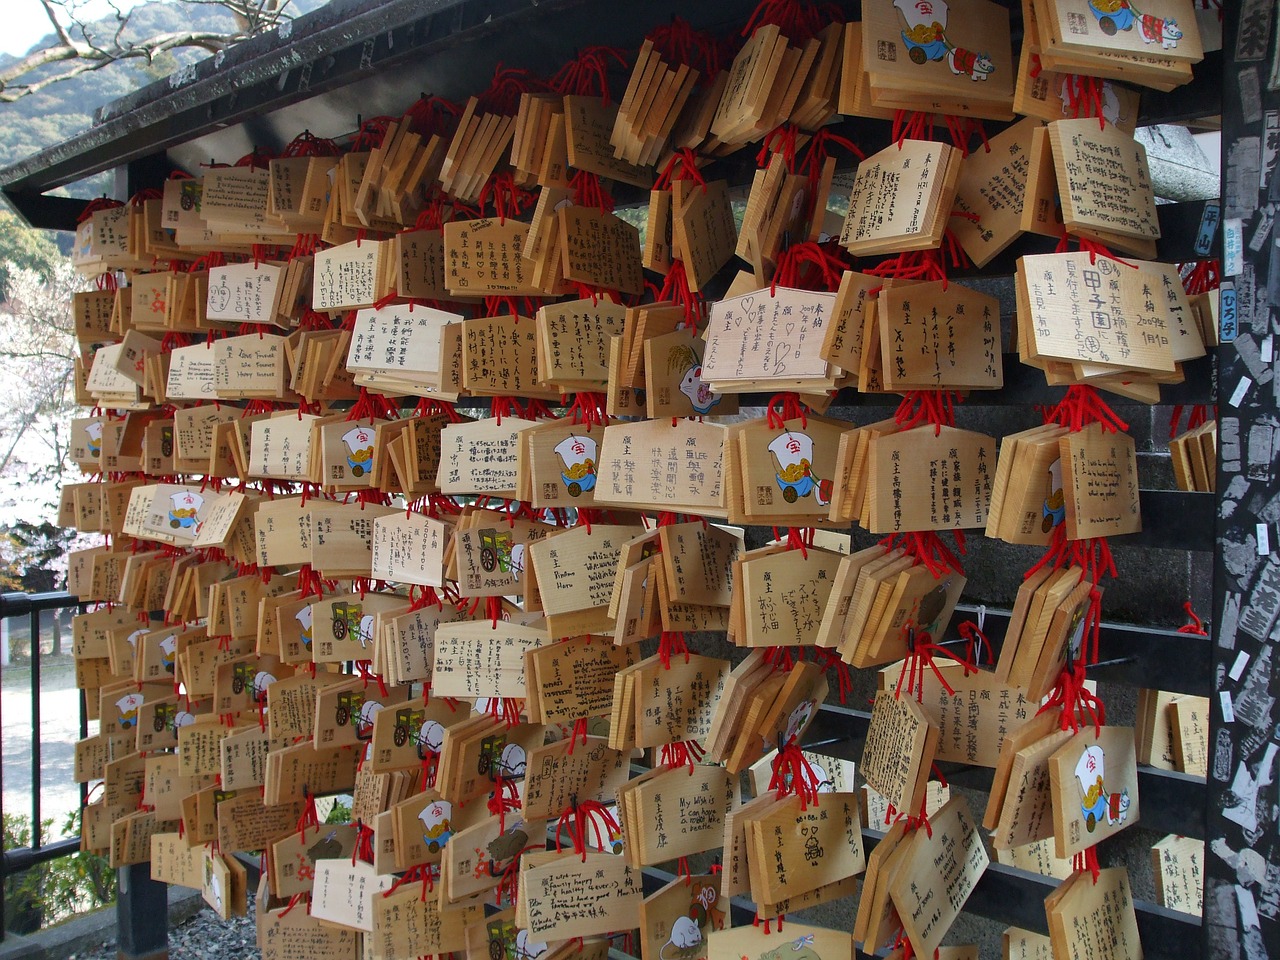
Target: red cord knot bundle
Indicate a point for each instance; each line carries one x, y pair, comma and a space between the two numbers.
796, 20
587, 75
676, 289
583, 821
793, 775
504, 799
1196, 626
810, 265
683, 753
677, 42
672, 644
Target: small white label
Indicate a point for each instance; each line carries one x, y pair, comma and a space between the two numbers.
1241, 389
1248, 909
1233, 247
1267, 350
1228, 711
1264, 539
1237, 668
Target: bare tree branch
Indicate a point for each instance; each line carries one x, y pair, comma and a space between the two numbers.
88, 47
57, 24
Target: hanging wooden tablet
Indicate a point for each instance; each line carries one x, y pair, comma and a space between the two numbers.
768, 336
786, 472
398, 344
678, 812
1100, 479
499, 356
599, 249
528, 142
796, 849
703, 235
483, 257
574, 678
1047, 94
899, 750
661, 465
919, 602
901, 198
1178, 864
476, 659
677, 703
754, 944
654, 99
408, 549
405, 924
564, 895
589, 124
680, 916
1104, 185
479, 457
673, 379
968, 734
697, 560
940, 872
1038, 600
1155, 45
834, 775
877, 811
1091, 916
785, 594
490, 553
927, 55
992, 187
573, 342
575, 572
1094, 784
923, 481
938, 336
751, 77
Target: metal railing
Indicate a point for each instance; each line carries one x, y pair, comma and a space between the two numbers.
14, 606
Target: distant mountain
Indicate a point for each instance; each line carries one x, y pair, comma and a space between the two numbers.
66, 108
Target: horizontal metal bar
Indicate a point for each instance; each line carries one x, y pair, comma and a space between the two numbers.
1201, 99
1150, 657
19, 604
1014, 897
1024, 386
24, 858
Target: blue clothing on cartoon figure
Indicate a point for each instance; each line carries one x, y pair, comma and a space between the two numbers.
586, 482
1058, 515
1099, 808
803, 487
1122, 17
934, 50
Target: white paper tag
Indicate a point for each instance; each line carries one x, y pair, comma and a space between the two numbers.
1248, 908
1267, 350
1264, 539
1237, 668
1241, 389
1228, 711
1233, 247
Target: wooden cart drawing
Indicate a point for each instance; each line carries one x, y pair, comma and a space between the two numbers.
925, 36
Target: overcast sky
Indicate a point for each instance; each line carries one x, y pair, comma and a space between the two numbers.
25, 21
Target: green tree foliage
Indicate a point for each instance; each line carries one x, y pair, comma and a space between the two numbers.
55, 890
25, 249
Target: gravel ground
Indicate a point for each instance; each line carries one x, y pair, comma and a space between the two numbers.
203, 937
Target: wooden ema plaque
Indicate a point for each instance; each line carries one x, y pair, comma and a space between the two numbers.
1094, 780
